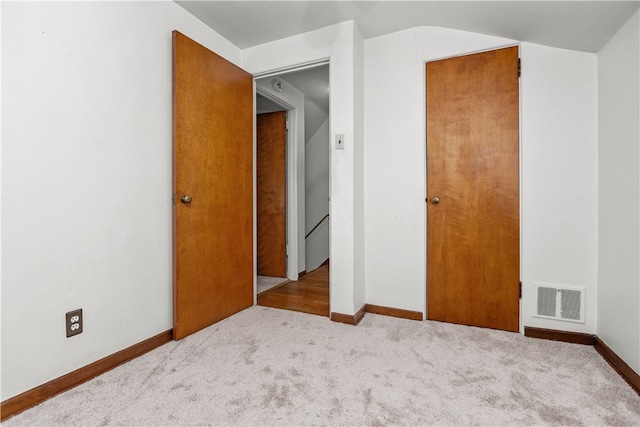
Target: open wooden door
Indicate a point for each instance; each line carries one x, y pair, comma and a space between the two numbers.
473, 241
213, 187
271, 173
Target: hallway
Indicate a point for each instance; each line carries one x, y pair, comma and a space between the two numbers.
309, 295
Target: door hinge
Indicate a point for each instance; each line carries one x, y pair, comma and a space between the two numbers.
520, 290
286, 250
286, 125
519, 68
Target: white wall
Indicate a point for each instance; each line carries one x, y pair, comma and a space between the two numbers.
315, 116
395, 172
317, 196
86, 179
359, 237
336, 43
317, 177
318, 246
296, 205
559, 169
619, 194
559, 177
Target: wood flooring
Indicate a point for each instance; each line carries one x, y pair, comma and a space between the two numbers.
309, 295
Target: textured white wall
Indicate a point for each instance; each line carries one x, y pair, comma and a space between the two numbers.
558, 116
86, 188
619, 194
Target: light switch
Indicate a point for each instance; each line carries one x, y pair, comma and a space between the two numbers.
340, 141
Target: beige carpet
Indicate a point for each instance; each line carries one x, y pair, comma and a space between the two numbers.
272, 367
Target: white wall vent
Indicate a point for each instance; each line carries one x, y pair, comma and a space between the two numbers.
560, 303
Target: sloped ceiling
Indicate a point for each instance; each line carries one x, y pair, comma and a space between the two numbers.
577, 25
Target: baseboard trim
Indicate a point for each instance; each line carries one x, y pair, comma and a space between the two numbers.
349, 319
375, 309
302, 274
37, 395
556, 335
620, 366
393, 312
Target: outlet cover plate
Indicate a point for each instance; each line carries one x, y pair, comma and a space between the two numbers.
74, 322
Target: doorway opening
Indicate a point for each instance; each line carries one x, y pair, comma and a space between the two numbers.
302, 94
272, 136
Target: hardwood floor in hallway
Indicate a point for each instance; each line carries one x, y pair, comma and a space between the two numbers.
309, 295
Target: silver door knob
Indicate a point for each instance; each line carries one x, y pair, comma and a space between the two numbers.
435, 200
185, 199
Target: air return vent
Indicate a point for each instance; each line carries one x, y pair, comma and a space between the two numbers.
560, 303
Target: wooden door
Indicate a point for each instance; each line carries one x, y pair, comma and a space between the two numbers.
473, 255
271, 193
213, 151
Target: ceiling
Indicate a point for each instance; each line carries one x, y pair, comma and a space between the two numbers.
576, 25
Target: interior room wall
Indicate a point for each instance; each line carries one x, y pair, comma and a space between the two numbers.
395, 172
619, 193
335, 42
559, 178
86, 179
314, 118
359, 237
558, 170
317, 196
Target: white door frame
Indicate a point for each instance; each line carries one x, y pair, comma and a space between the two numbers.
291, 183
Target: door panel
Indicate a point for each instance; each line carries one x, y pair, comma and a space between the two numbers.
271, 193
473, 255
213, 149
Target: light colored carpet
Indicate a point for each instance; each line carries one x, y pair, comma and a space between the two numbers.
265, 282
273, 367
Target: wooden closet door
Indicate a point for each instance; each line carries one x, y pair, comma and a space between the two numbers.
271, 193
473, 226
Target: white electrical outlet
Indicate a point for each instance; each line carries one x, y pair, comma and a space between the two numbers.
340, 141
